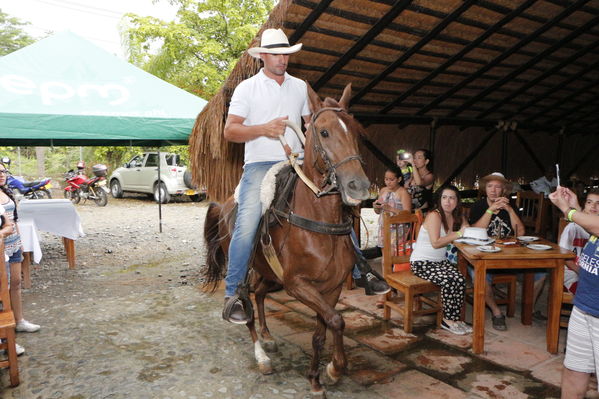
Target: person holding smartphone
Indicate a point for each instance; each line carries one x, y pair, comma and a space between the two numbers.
420, 186
401, 160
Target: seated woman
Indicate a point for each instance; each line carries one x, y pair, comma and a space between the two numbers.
574, 238
429, 257
392, 198
495, 214
421, 185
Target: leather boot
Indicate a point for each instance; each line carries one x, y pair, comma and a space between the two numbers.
372, 282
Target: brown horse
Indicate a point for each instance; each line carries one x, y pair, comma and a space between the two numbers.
315, 264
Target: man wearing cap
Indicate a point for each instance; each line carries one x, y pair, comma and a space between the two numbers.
257, 113
495, 214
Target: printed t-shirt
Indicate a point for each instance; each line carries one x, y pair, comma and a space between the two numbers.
573, 238
587, 293
500, 223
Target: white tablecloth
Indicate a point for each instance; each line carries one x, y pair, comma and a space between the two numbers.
30, 238
56, 216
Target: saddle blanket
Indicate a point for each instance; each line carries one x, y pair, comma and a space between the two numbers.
268, 187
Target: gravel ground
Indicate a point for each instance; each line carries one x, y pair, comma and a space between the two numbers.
131, 322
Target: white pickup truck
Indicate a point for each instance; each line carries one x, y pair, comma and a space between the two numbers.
140, 175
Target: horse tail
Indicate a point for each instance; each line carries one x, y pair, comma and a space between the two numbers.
215, 256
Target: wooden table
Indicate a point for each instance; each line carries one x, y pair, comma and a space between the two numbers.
516, 257
55, 216
31, 245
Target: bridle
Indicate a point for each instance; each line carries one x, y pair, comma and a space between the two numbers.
329, 184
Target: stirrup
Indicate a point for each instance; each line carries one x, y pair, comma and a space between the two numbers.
242, 294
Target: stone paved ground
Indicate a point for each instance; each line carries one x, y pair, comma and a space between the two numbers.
131, 322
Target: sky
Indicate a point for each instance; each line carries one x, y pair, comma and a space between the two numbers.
96, 21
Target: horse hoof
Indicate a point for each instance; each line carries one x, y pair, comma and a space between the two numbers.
319, 394
270, 346
265, 367
333, 377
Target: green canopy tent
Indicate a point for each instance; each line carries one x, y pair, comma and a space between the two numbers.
63, 90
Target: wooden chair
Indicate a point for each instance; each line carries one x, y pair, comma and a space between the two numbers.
503, 295
397, 251
507, 295
533, 210
7, 325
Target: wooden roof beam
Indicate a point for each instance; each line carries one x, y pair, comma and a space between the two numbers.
309, 20
405, 29
589, 68
455, 57
522, 68
377, 28
535, 18
569, 10
563, 101
421, 43
503, 30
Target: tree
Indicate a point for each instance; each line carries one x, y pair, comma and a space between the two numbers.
197, 50
12, 36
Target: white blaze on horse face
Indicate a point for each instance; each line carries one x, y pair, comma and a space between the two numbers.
343, 125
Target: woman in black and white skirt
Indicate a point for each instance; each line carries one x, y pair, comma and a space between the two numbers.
429, 259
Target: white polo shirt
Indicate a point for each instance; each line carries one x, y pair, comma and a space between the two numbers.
261, 99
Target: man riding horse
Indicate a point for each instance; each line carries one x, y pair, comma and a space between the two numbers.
257, 113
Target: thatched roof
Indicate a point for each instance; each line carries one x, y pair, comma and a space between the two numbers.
459, 62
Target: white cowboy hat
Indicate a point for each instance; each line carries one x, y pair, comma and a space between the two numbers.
495, 176
274, 41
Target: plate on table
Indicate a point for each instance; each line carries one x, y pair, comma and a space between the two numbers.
539, 247
527, 238
475, 241
488, 248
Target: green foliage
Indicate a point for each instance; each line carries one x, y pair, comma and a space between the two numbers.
58, 160
12, 36
198, 50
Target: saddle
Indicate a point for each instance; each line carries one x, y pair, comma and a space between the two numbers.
276, 206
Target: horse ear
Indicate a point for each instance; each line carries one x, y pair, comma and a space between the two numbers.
315, 101
345, 97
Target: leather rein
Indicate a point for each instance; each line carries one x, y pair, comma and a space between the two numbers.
329, 184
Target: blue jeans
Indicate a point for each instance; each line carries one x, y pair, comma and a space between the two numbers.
249, 211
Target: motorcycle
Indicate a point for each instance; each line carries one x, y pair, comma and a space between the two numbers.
31, 190
80, 187
38, 189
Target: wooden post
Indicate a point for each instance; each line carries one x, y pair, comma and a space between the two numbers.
432, 134
531, 153
69, 247
504, 147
